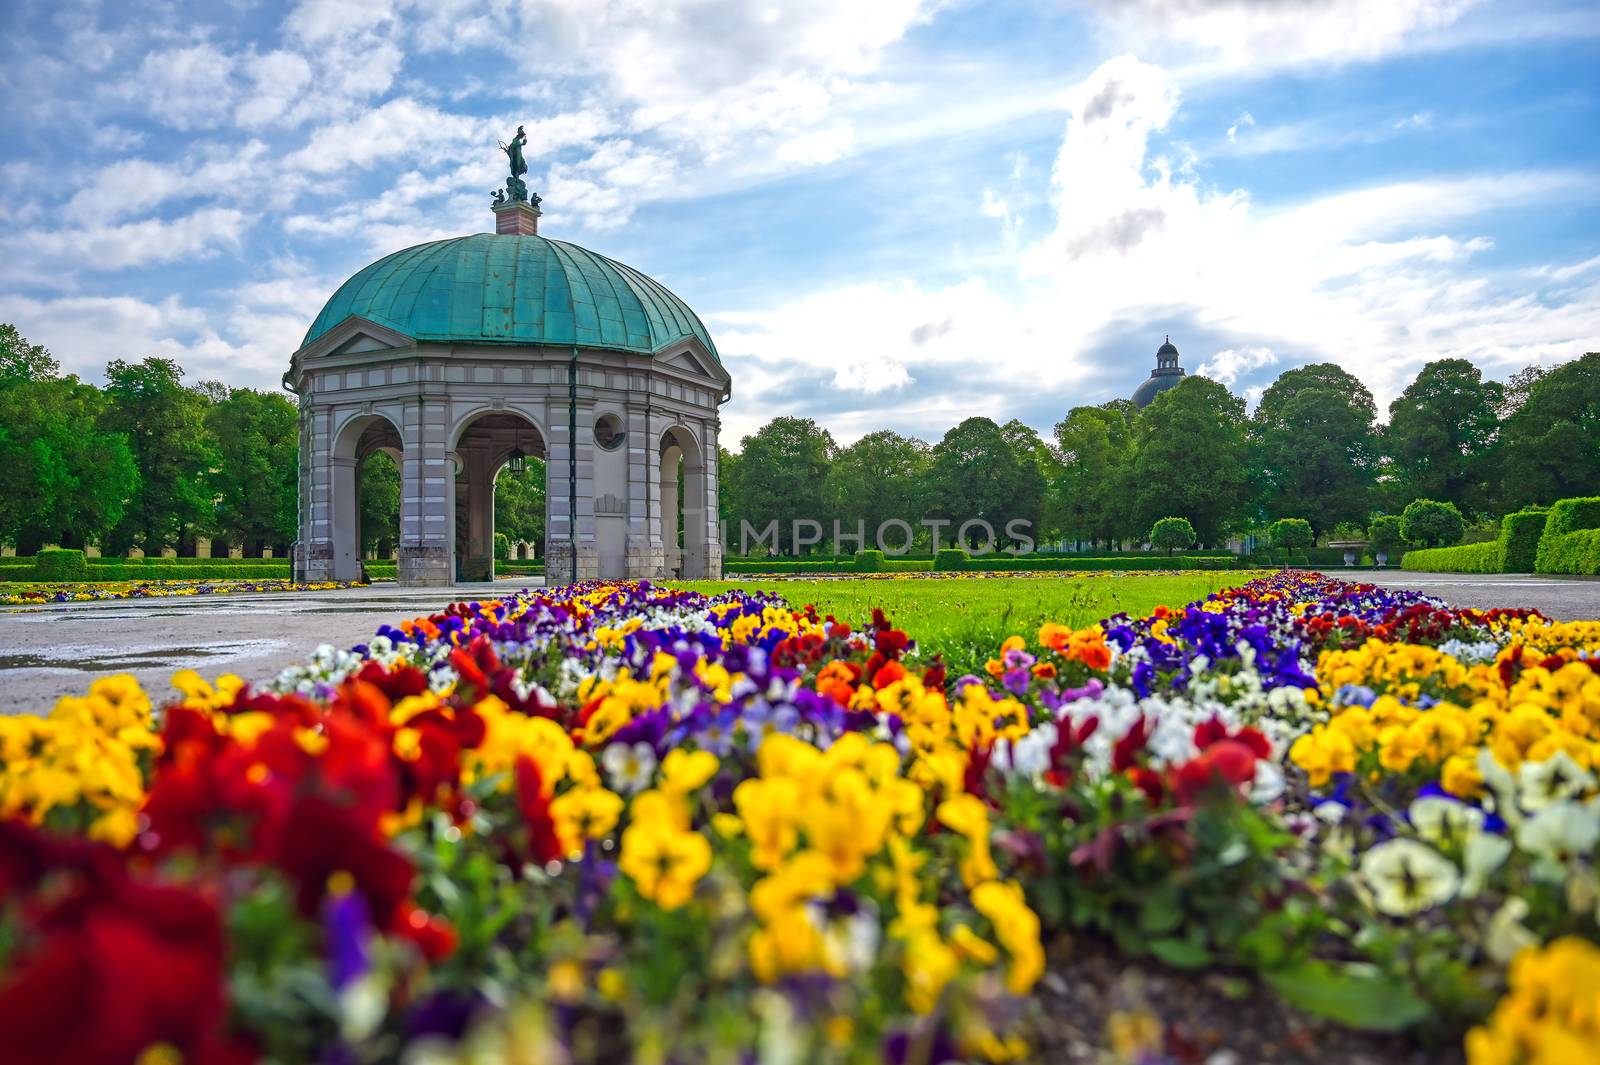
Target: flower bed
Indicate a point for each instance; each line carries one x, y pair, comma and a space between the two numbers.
621, 822
88, 592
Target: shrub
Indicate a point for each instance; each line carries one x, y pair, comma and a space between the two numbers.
950, 558
1291, 533
908, 565
1171, 534
868, 561
1519, 534
60, 564
1385, 533
502, 546
1570, 542
1468, 558
1431, 523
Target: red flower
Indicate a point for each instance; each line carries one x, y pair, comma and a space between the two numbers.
322, 837
1215, 731
543, 843
1131, 745
1226, 763
109, 967
432, 934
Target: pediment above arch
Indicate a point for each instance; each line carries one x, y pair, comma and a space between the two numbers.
353, 336
689, 357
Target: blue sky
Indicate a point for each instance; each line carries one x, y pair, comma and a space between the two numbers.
889, 215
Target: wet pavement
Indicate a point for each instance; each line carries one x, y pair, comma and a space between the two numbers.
59, 649
1563, 598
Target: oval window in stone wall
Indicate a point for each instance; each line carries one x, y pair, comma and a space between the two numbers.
608, 432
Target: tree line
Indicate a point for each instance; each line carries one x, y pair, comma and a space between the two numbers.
1313, 448
149, 462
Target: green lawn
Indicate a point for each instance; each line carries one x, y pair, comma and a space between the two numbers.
966, 618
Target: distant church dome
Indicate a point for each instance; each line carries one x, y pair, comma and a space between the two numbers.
1166, 375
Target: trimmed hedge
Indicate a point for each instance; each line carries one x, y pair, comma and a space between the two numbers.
868, 561
1468, 558
60, 564
784, 566
1519, 535
1571, 539
949, 559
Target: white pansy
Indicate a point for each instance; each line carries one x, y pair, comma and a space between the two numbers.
1498, 779
441, 680
1484, 853
1268, 782
1406, 877
1558, 834
1438, 819
629, 767
1027, 756
1551, 780
1506, 936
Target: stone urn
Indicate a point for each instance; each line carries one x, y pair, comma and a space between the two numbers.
1352, 550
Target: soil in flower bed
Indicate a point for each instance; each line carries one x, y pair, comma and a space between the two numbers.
1094, 1000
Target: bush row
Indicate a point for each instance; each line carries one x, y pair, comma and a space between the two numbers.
1468, 558
1571, 539
955, 560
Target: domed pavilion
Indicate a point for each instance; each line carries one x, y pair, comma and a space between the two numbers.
461, 356
1166, 375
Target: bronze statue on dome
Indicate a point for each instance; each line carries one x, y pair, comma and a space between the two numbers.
516, 190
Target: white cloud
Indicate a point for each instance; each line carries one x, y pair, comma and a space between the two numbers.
1245, 119
48, 256
188, 88
1229, 365
1257, 34
279, 80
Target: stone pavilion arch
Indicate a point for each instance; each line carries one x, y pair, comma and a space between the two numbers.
452, 354
693, 510
485, 441
358, 439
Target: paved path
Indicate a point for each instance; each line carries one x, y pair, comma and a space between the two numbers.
1566, 598
50, 651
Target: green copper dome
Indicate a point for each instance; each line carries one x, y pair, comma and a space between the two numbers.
514, 289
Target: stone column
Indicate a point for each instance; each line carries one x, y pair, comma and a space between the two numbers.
427, 495
316, 561
644, 497
565, 536
711, 517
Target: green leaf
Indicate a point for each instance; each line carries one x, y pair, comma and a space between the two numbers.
1181, 953
1354, 995
1161, 912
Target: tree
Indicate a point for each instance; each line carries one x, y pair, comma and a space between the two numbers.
881, 476
977, 474
1291, 534
1552, 441
781, 476
1441, 434
62, 479
1030, 447
165, 427
1431, 523
519, 504
1316, 446
1171, 534
22, 361
378, 501
255, 477
1191, 458
1090, 498
1385, 535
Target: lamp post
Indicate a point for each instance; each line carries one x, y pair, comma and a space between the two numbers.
519, 461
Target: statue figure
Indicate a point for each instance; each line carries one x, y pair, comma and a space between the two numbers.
519, 165
516, 190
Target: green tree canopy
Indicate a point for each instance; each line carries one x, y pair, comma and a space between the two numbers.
781, 474
519, 504
1316, 446
977, 473
62, 478
1091, 498
1171, 534
881, 476
1192, 456
1552, 441
1385, 533
378, 501
1431, 523
254, 480
1441, 433
1291, 534
165, 426
22, 361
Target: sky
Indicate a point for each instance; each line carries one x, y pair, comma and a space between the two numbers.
895, 214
